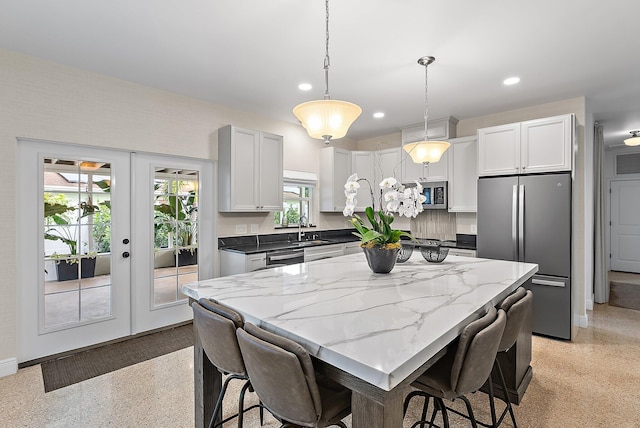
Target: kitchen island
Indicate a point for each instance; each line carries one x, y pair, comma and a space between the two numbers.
373, 333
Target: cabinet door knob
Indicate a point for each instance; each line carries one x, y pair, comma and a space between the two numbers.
125, 254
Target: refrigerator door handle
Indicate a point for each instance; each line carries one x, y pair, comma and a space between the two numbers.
521, 223
514, 222
547, 282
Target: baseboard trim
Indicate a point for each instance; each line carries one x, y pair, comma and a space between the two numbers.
581, 321
589, 304
8, 367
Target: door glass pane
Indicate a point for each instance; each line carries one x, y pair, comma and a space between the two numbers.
175, 226
77, 241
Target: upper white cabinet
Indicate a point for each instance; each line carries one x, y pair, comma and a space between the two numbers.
439, 129
388, 163
540, 145
463, 175
438, 171
249, 170
363, 163
335, 168
546, 144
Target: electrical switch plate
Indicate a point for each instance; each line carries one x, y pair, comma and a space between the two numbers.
241, 228
474, 228
254, 228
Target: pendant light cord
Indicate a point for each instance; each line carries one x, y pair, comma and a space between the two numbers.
326, 55
426, 104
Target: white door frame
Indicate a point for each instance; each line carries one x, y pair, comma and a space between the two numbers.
34, 339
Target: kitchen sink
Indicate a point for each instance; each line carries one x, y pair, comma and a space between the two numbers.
308, 243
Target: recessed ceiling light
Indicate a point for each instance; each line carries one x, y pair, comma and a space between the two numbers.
378, 115
305, 86
511, 80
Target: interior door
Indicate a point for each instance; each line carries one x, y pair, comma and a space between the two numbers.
625, 225
174, 239
74, 270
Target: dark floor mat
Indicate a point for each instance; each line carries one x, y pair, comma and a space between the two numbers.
98, 361
625, 294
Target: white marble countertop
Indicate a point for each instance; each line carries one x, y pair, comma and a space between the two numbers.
378, 327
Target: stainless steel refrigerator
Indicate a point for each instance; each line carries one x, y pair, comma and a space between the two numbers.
527, 218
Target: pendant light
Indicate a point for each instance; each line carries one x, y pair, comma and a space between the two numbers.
426, 151
326, 119
634, 140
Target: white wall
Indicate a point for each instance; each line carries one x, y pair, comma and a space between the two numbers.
44, 100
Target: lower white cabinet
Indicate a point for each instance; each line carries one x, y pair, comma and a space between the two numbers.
352, 248
462, 252
323, 252
232, 263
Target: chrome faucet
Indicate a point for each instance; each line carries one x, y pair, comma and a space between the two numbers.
301, 222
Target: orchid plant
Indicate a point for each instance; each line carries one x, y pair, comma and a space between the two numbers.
394, 198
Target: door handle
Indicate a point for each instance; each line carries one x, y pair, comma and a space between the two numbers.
514, 222
125, 254
521, 224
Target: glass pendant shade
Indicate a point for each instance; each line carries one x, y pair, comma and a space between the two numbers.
426, 151
327, 119
634, 140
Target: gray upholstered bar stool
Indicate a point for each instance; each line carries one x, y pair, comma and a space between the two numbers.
516, 306
216, 325
462, 371
282, 374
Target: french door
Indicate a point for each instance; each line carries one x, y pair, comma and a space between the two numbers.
172, 214
100, 237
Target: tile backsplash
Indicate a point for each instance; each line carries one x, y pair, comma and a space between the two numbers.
435, 224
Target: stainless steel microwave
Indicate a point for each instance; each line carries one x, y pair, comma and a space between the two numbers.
435, 194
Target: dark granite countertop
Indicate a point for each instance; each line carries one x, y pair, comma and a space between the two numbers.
287, 241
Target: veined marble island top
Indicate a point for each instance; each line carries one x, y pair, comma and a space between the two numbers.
378, 327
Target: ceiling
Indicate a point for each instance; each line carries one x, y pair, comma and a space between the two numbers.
252, 54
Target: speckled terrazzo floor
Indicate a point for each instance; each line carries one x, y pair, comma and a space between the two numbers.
591, 382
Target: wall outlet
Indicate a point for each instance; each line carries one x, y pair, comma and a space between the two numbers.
241, 229
473, 228
255, 228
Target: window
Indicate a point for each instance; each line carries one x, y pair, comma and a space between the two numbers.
296, 202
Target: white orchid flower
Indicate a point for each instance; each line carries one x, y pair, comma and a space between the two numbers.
388, 183
419, 186
353, 177
391, 195
352, 186
348, 210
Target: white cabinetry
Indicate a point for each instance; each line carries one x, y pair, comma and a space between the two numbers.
439, 129
352, 248
335, 168
438, 171
541, 145
363, 163
249, 170
463, 175
388, 163
546, 144
232, 263
462, 252
323, 252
